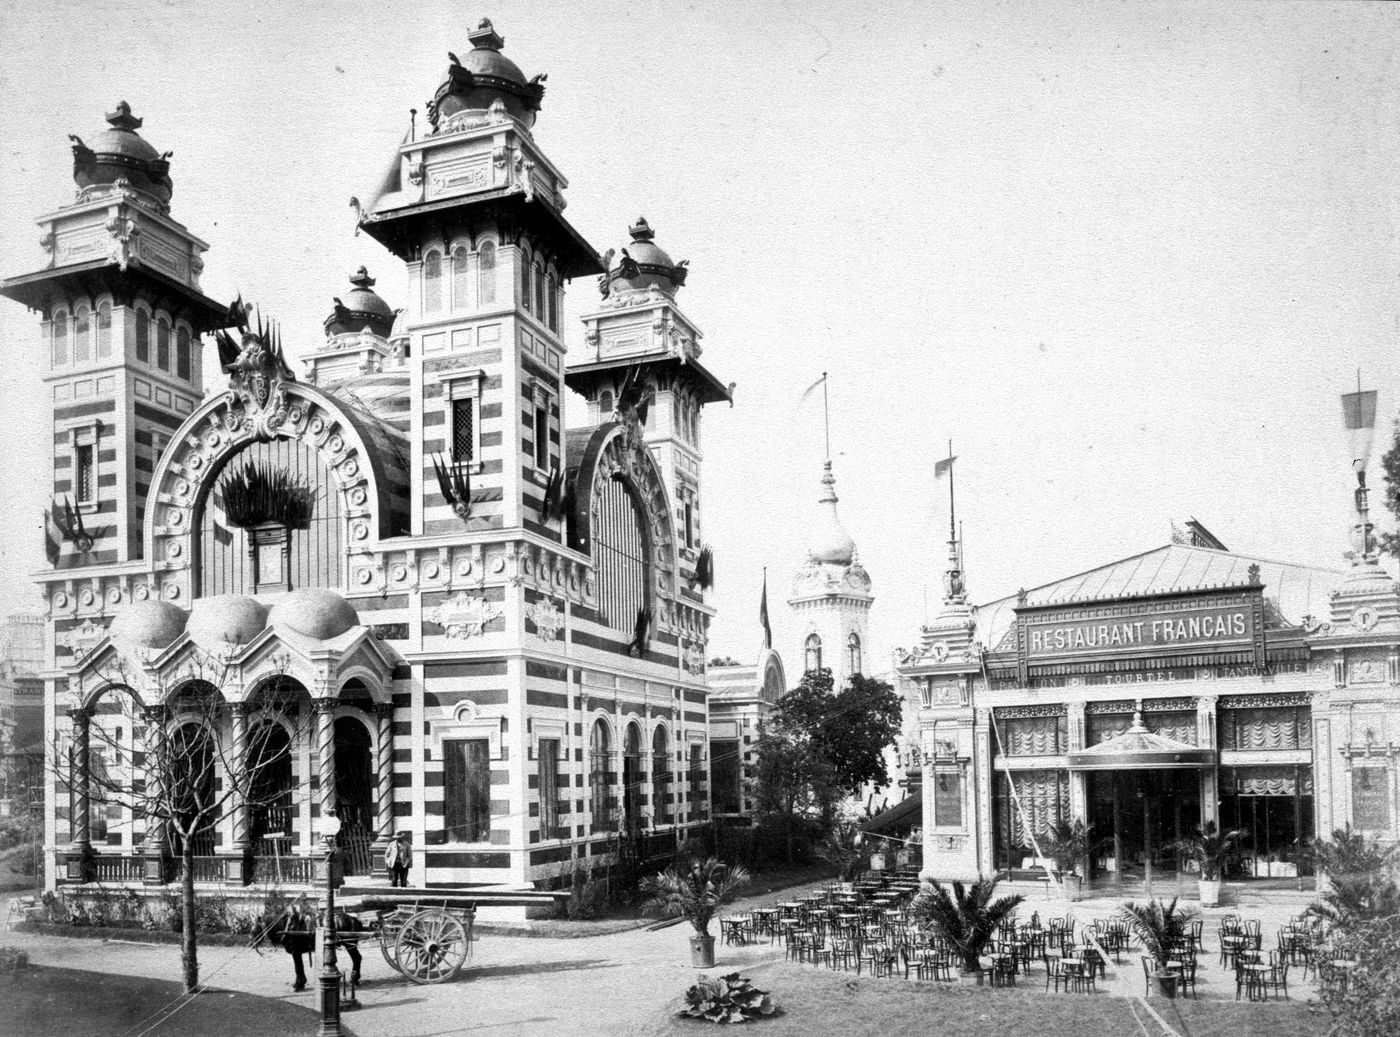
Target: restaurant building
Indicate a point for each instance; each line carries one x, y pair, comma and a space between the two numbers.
487, 630
1184, 685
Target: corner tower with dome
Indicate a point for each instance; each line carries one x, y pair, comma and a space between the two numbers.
469, 623
831, 596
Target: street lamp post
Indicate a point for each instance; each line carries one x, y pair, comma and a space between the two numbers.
329, 978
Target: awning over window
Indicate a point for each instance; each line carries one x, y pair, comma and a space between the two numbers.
899, 819
1139, 749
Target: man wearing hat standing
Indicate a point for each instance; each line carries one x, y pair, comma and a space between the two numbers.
397, 857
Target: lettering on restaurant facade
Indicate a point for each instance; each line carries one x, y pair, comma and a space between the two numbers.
1233, 624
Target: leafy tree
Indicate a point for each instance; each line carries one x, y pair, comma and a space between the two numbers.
851, 730
1390, 472
1362, 906
792, 782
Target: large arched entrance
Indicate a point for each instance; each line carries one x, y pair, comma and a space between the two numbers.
271, 785
354, 793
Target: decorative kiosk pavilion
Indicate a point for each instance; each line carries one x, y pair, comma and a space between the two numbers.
438, 610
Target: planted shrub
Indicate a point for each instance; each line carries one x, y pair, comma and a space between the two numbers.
728, 999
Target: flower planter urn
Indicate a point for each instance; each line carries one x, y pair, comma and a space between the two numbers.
1210, 892
1166, 983
1070, 887
702, 951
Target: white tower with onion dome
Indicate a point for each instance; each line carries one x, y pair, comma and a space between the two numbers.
831, 596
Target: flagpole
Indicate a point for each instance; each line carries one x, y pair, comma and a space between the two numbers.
952, 512
826, 412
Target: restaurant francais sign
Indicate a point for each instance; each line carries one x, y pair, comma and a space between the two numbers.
1231, 624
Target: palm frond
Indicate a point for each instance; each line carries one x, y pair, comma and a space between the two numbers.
705, 568
257, 494
641, 633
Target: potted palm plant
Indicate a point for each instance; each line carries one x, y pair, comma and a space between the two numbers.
1159, 928
967, 917
1212, 850
1067, 845
694, 888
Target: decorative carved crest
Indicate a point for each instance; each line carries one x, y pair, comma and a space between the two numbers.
258, 373
547, 617
465, 615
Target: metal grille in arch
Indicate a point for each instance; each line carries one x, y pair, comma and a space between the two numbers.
620, 551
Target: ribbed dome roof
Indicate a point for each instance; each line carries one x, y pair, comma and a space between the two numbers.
227, 619
485, 76
385, 394
361, 307
121, 153
643, 263
148, 624
313, 612
830, 543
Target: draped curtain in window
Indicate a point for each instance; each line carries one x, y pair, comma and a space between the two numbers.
1033, 736
1043, 798
1266, 727
1266, 781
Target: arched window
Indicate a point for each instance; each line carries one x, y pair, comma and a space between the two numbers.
163, 344
432, 282
143, 335
660, 776
539, 290
853, 653
182, 352
525, 297
461, 278
552, 301
486, 273
632, 779
60, 337
814, 653
600, 775
82, 330
104, 331
620, 553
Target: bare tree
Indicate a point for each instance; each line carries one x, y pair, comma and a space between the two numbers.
194, 760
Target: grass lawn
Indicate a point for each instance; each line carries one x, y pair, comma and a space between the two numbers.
817, 1000
40, 1002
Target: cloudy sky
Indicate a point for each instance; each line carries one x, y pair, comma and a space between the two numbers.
1124, 255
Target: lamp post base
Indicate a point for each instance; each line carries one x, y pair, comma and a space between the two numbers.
329, 983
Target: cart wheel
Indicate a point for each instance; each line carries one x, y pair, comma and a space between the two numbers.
432, 947
389, 948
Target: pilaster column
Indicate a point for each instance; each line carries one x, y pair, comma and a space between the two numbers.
154, 718
238, 719
325, 753
384, 761
81, 777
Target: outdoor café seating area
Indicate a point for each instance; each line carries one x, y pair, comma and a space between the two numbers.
869, 926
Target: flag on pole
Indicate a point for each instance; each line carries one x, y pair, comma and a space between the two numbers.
812, 388
222, 535
53, 538
1359, 417
944, 467
763, 613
